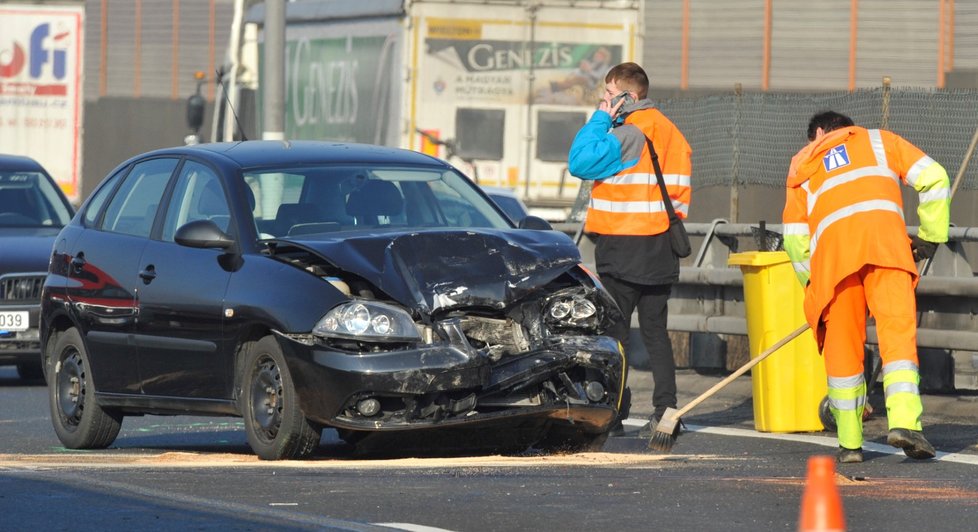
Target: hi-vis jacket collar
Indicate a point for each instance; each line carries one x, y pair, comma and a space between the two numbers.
809, 160
644, 103
630, 108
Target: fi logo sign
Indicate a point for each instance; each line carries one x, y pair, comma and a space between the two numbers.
36, 64
836, 158
41, 86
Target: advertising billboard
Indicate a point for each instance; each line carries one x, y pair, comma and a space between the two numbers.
41, 88
342, 86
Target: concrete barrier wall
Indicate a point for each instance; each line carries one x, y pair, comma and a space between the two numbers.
116, 129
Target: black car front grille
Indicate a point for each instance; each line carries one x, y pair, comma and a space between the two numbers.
26, 288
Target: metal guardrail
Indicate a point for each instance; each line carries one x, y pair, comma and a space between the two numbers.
709, 295
947, 294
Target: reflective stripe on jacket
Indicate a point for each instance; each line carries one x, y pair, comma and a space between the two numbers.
844, 208
625, 198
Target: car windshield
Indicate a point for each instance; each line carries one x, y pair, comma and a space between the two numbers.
302, 201
29, 199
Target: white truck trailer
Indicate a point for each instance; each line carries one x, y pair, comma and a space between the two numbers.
496, 87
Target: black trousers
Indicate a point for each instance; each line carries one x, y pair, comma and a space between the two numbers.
650, 300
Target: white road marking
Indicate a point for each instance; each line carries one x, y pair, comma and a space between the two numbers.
969, 459
413, 527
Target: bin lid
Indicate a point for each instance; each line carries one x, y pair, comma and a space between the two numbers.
757, 258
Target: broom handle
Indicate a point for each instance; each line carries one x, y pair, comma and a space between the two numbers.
964, 162
743, 369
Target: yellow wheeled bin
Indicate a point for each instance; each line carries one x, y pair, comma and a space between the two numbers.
789, 384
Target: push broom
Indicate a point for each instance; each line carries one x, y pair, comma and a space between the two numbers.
667, 429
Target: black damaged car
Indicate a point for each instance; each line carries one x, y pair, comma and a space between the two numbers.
306, 285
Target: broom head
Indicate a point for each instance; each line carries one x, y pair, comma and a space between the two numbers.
666, 431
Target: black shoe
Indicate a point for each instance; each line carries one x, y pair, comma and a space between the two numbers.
849, 456
617, 429
648, 429
913, 443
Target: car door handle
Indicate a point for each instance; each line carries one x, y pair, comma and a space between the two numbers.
148, 274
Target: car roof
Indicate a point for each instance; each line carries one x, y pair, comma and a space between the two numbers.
19, 162
269, 153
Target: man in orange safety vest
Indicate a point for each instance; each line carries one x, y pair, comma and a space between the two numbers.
629, 215
845, 233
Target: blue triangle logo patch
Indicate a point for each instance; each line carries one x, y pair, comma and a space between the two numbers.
836, 158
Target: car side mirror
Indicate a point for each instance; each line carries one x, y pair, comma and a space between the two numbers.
536, 223
202, 234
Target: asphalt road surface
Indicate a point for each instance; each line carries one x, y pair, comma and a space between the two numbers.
191, 473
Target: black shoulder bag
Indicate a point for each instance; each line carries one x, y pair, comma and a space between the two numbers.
677, 232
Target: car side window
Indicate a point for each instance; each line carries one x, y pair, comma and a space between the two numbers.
98, 199
133, 208
198, 195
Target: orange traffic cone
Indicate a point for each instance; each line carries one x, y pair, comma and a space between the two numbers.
821, 504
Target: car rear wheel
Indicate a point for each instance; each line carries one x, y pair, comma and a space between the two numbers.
275, 425
79, 421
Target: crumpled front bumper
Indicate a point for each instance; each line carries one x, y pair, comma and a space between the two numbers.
443, 386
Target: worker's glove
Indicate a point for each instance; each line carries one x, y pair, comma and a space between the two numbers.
922, 249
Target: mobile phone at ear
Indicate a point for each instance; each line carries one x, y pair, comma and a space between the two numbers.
622, 96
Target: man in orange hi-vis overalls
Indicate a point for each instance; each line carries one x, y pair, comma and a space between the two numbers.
845, 233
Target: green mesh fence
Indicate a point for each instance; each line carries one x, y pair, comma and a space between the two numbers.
750, 138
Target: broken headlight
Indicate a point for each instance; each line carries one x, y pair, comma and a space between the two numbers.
369, 321
571, 309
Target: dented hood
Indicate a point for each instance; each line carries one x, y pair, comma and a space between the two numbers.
438, 270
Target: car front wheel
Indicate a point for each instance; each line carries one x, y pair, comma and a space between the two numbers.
79, 421
275, 425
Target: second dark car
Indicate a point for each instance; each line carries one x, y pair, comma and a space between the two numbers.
304, 285
32, 212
